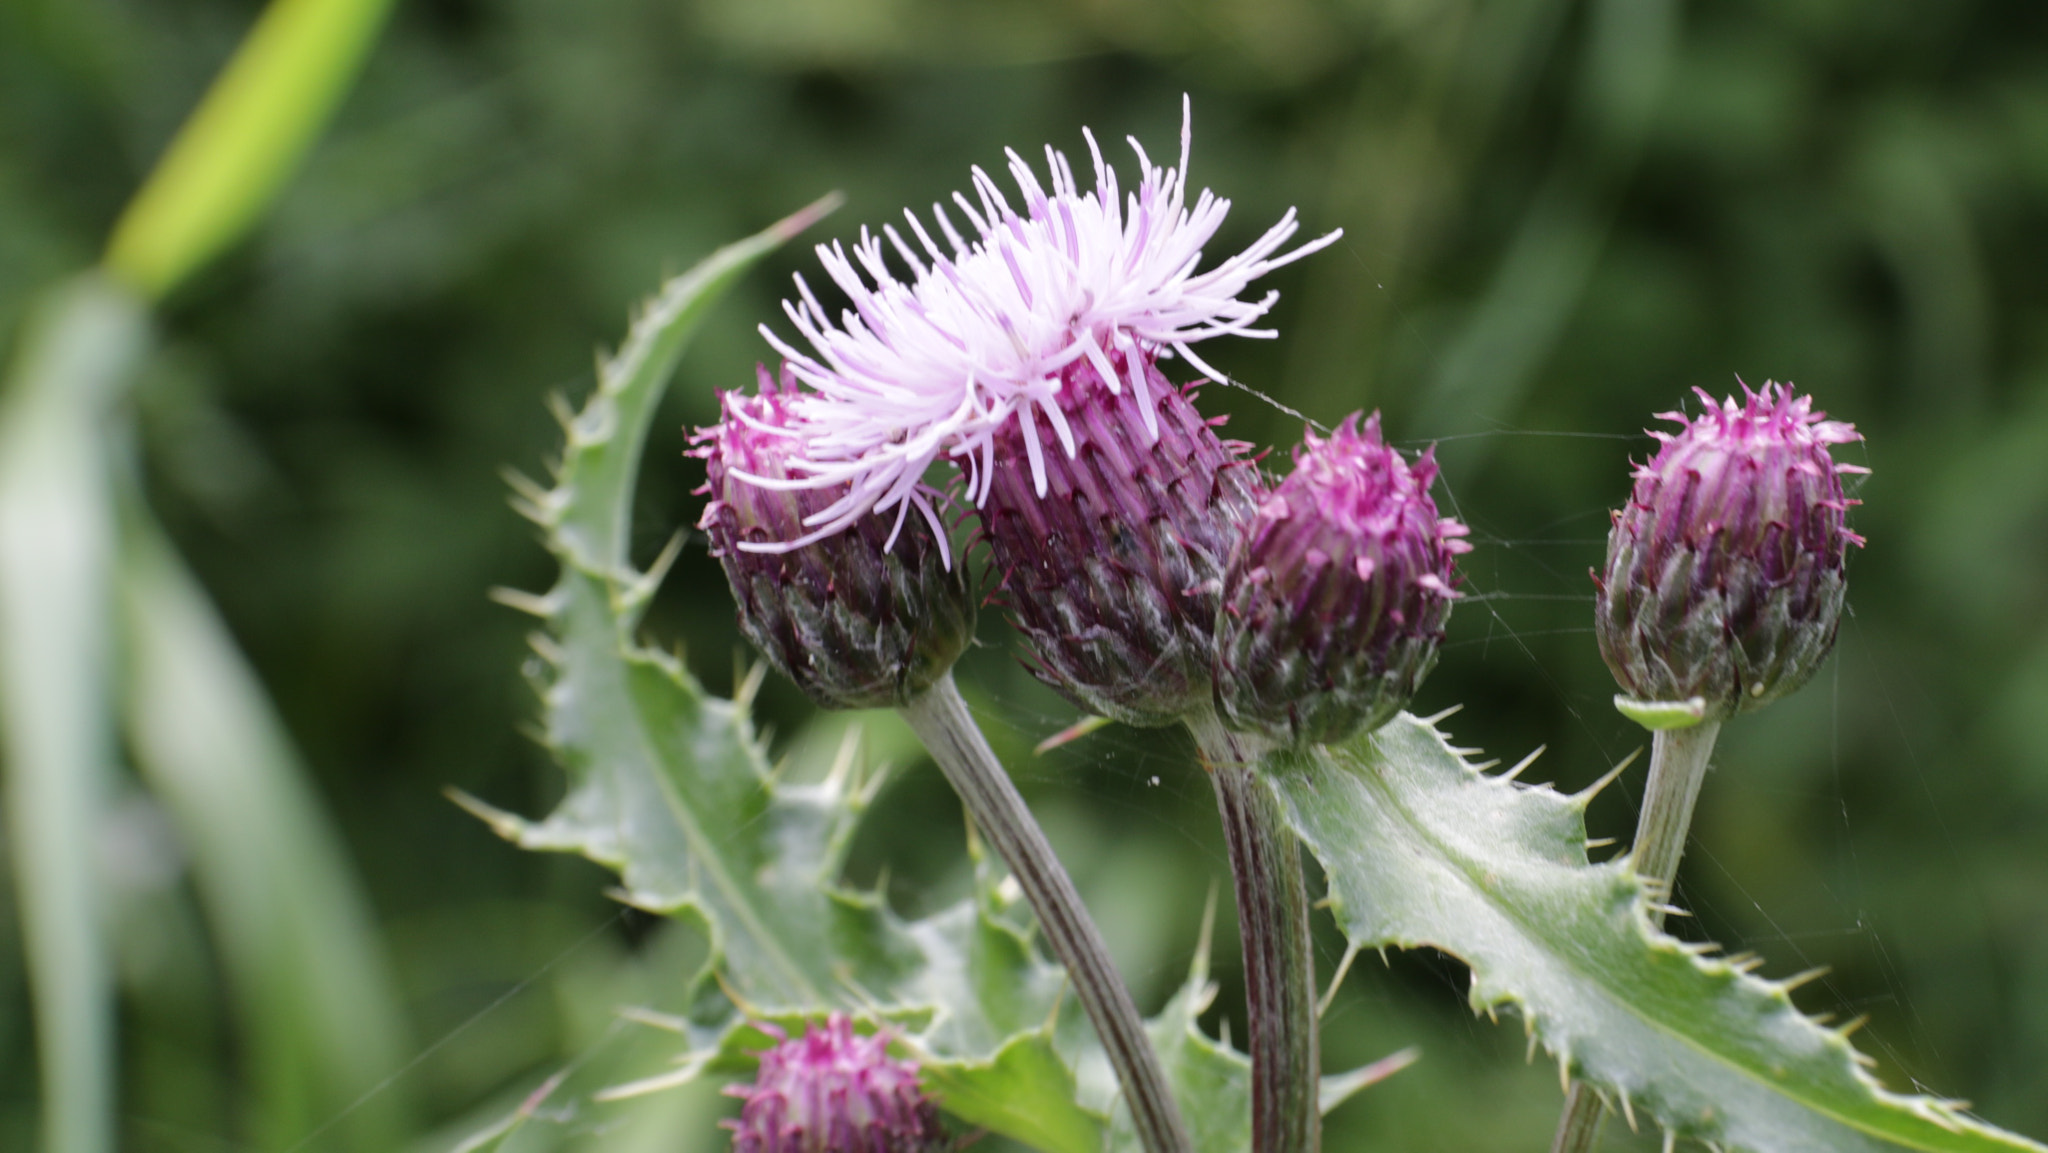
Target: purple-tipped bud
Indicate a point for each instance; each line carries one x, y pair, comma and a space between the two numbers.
1337, 599
1114, 573
833, 1091
855, 622
1724, 571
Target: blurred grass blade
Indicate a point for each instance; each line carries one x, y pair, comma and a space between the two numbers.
56, 540
257, 121
320, 1019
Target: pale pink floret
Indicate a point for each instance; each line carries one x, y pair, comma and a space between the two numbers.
934, 368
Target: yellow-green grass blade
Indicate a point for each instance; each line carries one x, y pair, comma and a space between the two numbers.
255, 124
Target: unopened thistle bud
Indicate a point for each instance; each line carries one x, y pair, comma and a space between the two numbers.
1724, 577
1337, 598
833, 1091
854, 622
1111, 551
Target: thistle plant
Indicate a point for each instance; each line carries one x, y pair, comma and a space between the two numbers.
1722, 592
1157, 576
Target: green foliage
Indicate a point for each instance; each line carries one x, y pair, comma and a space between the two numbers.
1422, 848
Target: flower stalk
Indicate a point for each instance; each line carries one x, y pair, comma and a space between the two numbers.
1678, 766
942, 721
1272, 915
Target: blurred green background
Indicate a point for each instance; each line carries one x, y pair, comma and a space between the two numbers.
1559, 217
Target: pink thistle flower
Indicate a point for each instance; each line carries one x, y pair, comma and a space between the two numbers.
987, 333
854, 624
833, 1091
1724, 576
1336, 600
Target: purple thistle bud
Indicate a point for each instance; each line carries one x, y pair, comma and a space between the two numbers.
833, 1091
1114, 573
1335, 603
1724, 576
854, 622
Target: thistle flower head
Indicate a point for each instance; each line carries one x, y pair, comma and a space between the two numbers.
833, 1091
1724, 575
1337, 597
966, 361
854, 623
1111, 558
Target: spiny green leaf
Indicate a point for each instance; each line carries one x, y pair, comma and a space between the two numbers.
1421, 848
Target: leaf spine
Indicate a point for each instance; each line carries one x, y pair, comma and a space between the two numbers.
1798, 979
1585, 796
1524, 763
1336, 980
644, 586
519, 600
749, 687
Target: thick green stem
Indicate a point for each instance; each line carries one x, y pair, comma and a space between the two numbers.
942, 721
1279, 968
1678, 766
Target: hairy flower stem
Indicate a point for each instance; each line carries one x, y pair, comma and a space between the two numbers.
1678, 765
941, 719
1272, 916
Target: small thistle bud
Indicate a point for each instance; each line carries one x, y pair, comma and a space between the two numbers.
833, 1091
1724, 576
1337, 598
855, 622
1110, 543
